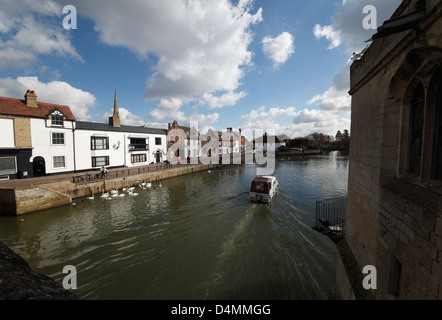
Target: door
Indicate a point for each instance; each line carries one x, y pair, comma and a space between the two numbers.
39, 167
158, 157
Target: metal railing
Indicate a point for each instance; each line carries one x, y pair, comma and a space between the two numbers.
120, 172
331, 216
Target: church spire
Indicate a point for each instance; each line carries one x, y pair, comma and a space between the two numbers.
115, 119
116, 111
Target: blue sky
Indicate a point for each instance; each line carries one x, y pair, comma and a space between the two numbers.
278, 65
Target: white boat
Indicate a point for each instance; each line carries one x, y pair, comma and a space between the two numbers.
263, 189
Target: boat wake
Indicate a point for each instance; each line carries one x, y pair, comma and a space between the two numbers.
228, 248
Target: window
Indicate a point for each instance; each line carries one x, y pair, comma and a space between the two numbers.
438, 148
136, 158
422, 129
158, 141
100, 161
57, 138
57, 119
417, 129
8, 165
99, 143
59, 162
138, 144
394, 281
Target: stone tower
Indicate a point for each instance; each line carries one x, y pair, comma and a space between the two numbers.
115, 119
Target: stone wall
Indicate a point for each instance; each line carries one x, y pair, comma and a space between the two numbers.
38, 198
7, 202
410, 232
392, 223
50, 195
19, 282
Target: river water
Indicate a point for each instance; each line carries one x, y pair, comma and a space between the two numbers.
194, 237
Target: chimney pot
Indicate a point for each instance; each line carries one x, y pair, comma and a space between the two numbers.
31, 99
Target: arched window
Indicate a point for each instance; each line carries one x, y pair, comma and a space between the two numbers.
437, 167
417, 129
172, 139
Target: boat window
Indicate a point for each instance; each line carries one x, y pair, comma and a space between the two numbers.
259, 186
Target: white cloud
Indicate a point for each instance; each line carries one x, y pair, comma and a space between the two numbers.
304, 122
228, 99
29, 29
127, 118
201, 47
169, 109
57, 92
278, 49
346, 27
327, 32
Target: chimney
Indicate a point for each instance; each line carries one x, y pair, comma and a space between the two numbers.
229, 129
31, 99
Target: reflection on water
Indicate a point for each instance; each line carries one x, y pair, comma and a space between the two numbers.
195, 237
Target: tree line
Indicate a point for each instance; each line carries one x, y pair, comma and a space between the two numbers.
317, 140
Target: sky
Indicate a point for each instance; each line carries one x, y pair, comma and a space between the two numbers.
279, 65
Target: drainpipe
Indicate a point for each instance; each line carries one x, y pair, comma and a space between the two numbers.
73, 147
125, 155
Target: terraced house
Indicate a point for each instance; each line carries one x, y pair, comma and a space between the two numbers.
38, 139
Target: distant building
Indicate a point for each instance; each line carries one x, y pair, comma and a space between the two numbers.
184, 140
394, 210
298, 143
231, 142
268, 143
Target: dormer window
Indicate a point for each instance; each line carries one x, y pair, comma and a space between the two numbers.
57, 118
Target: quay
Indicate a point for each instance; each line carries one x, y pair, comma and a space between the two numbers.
18, 197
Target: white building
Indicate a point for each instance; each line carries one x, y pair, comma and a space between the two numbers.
35, 138
99, 144
38, 139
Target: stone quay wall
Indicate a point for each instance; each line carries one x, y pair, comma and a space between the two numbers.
19, 201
